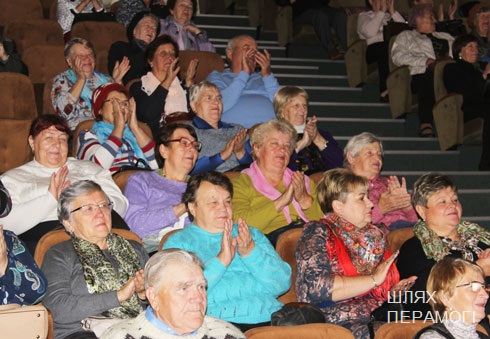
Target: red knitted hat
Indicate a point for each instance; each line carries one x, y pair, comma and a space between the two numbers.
100, 94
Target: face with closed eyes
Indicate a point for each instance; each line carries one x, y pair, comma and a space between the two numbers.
296, 110
368, 161
356, 208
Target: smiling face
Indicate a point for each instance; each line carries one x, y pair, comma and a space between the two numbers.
296, 110
107, 110
212, 207
164, 56
465, 304
443, 212
182, 11
482, 23
50, 147
146, 29
469, 53
242, 45
209, 106
178, 159
368, 161
86, 55
356, 209
181, 299
273, 155
92, 225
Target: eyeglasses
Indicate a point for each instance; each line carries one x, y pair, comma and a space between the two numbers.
90, 209
186, 143
121, 103
476, 286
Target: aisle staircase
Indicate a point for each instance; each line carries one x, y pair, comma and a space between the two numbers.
347, 111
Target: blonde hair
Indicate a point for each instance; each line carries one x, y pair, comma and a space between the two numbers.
284, 95
265, 129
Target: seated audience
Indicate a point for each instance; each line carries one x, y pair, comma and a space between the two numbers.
478, 20
344, 261
449, 25
323, 18
225, 145
10, 61
155, 198
180, 27
247, 94
269, 195
459, 297
438, 234
465, 77
96, 272
420, 49
161, 92
316, 149
116, 140
35, 187
370, 26
66, 10
174, 311
21, 281
245, 275
391, 201
141, 32
72, 89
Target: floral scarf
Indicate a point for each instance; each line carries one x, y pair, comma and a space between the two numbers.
360, 251
103, 130
101, 276
436, 247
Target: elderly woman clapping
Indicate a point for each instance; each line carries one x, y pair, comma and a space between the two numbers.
419, 49
35, 187
363, 154
344, 261
72, 90
245, 274
225, 145
96, 272
459, 297
438, 234
116, 139
269, 195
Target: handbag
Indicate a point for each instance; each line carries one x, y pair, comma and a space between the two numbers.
23, 321
99, 325
296, 313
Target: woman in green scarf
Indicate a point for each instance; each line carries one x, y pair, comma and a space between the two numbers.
440, 232
96, 272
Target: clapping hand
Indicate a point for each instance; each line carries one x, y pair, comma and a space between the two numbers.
120, 70
228, 245
58, 182
239, 143
171, 74
264, 61
244, 240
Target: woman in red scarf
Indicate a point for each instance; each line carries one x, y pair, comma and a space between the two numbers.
344, 264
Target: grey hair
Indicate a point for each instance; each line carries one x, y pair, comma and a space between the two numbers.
358, 142
417, 11
231, 43
78, 41
196, 89
156, 267
428, 184
72, 192
265, 129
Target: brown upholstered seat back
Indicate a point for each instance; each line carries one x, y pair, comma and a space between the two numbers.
19, 10
396, 238
28, 33
102, 34
14, 149
17, 97
310, 331
208, 62
286, 248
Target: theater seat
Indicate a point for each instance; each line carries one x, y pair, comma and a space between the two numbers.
14, 149
28, 33
286, 248
208, 62
17, 97
310, 331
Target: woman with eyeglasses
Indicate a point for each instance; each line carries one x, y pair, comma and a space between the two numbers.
116, 139
439, 233
459, 297
155, 198
35, 187
96, 272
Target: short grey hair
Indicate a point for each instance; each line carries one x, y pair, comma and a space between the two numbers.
428, 184
232, 42
418, 11
72, 192
156, 267
196, 89
265, 129
78, 41
358, 142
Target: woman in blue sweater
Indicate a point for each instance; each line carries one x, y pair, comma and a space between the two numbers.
245, 275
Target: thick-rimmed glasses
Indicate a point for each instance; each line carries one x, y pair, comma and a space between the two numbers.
91, 209
121, 103
186, 143
476, 286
